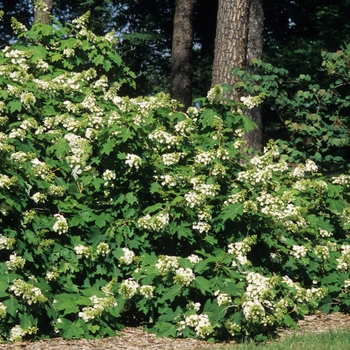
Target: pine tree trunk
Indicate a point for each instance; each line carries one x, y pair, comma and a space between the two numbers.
44, 15
181, 55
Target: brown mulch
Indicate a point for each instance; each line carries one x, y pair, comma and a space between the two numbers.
136, 339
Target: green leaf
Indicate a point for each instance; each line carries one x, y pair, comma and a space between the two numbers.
166, 329
71, 329
108, 146
231, 211
15, 105
202, 284
172, 292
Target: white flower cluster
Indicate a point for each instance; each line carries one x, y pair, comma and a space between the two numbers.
344, 260
83, 251
147, 291
52, 275
128, 288
307, 184
109, 176
31, 294
184, 126
193, 306
39, 197
7, 182
322, 251
194, 199
133, 161
2, 310
258, 295
299, 251
201, 226
200, 323
28, 99
102, 249
167, 180
154, 223
41, 169
240, 250
201, 191
342, 179
282, 209
215, 93
164, 137
6, 242
222, 298
55, 190
167, 263
99, 305
15, 262
325, 233
251, 101
194, 259
80, 149
61, 225
17, 333
233, 328
128, 256
184, 276
238, 197
172, 158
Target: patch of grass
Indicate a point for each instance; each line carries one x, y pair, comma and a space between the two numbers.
330, 340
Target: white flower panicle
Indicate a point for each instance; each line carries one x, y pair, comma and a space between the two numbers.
167, 263
2, 310
251, 101
83, 251
200, 323
6, 242
15, 262
133, 160
30, 293
61, 224
154, 223
222, 298
128, 288
128, 257
17, 333
99, 305
184, 276
147, 291
102, 249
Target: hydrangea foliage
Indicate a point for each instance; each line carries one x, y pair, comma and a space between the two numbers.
112, 207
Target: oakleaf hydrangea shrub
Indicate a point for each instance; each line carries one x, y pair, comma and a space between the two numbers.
117, 211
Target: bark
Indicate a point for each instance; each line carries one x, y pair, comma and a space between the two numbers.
254, 139
44, 16
181, 55
239, 39
231, 40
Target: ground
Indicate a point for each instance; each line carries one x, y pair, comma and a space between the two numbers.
137, 339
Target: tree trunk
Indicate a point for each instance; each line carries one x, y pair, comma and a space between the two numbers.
239, 39
43, 13
231, 40
181, 55
254, 139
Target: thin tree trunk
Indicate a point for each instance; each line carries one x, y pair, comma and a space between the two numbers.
181, 55
43, 14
